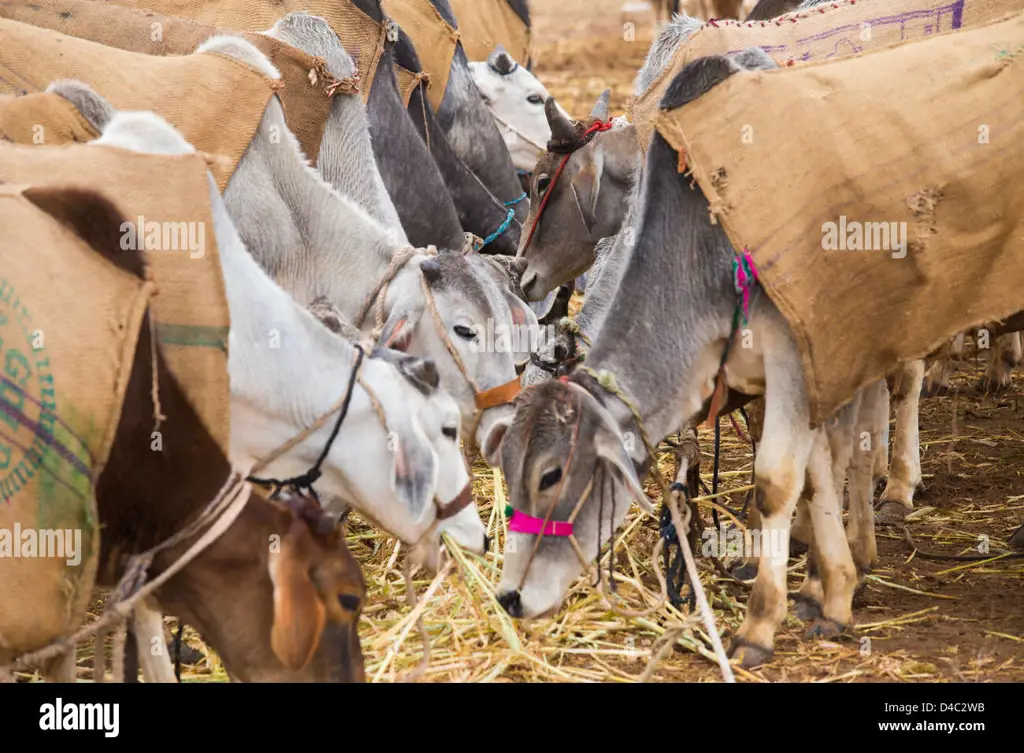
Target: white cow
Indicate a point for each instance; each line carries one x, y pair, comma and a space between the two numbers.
516, 99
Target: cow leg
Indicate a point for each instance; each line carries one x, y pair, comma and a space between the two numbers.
869, 433
944, 367
779, 471
800, 534
905, 475
839, 434
148, 628
1001, 360
880, 470
61, 668
829, 547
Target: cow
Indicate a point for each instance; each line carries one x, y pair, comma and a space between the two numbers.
516, 99
679, 271
479, 212
269, 624
462, 115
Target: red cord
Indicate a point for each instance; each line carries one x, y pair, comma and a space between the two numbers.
595, 128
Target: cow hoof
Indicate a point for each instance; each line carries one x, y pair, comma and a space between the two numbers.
749, 655
823, 627
189, 656
986, 386
1017, 540
797, 547
938, 390
806, 609
891, 513
746, 571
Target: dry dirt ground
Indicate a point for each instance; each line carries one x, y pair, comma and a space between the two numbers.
927, 620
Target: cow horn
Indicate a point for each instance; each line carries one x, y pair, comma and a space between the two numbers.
562, 129
501, 62
600, 111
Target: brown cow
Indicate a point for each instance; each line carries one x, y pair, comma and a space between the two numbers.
277, 595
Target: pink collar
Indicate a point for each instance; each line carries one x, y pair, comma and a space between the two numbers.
520, 522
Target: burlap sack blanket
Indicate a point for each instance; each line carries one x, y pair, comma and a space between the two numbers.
42, 119
434, 38
484, 24
827, 32
69, 326
303, 96
361, 36
216, 102
408, 81
926, 135
157, 194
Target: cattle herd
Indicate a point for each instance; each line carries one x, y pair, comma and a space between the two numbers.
366, 288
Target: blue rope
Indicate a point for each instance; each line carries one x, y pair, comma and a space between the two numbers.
494, 236
515, 201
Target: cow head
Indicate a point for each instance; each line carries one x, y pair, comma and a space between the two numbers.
561, 446
516, 99
487, 326
586, 203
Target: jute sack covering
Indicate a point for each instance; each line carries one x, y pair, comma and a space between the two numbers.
69, 326
928, 134
362, 37
434, 38
216, 102
484, 24
156, 193
304, 96
42, 119
408, 81
827, 32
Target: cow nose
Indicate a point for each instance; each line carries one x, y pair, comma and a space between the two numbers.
511, 603
527, 283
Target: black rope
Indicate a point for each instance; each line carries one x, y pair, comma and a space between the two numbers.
310, 477
714, 474
611, 525
177, 650
753, 461
675, 567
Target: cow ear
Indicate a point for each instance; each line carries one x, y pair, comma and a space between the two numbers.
492, 443
400, 327
586, 186
609, 446
299, 614
525, 321
414, 469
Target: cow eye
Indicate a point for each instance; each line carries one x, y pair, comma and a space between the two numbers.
451, 432
349, 602
465, 332
550, 478
535, 99
542, 184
